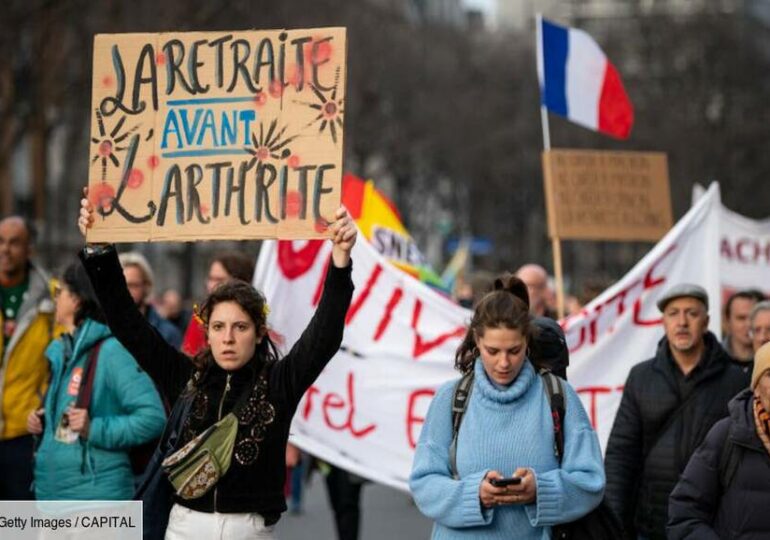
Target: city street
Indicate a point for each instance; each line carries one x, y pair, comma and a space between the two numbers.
386, 514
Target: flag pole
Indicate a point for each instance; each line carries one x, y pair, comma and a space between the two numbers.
555, 241
546, 131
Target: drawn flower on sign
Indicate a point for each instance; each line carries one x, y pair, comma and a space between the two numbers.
269, 144
330, 109
108, 145
102, 196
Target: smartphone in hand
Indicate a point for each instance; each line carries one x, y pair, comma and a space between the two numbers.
502, 482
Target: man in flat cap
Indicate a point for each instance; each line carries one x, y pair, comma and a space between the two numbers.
669, 404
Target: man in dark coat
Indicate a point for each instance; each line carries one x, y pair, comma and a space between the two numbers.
725, 488
669, 403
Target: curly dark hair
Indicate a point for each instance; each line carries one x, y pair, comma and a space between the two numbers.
76, 280
506, 306
253, 303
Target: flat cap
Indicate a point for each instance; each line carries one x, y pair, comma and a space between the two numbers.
684, 290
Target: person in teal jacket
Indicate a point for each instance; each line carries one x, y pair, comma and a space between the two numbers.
84, 454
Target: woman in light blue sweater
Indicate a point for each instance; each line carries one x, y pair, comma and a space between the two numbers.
507, 430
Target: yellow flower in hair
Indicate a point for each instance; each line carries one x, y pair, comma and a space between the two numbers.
197, 315
265, 310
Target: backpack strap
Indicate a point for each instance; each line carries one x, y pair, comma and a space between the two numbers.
86, 388
554, 391
729, 461
460, 398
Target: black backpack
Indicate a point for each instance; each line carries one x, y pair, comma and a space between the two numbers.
600, 523
548, 350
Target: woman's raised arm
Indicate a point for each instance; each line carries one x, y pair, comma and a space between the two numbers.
169, 369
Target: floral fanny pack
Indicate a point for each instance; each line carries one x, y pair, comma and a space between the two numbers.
196, 467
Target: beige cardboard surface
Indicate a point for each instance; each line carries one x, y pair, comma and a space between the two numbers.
604, 195
217, 135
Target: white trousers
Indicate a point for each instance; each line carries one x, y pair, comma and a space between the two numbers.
184, 524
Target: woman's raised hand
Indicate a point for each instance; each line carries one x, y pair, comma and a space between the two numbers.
86, 218
344, 234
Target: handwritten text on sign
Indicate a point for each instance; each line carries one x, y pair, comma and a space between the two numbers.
217, 135
594, 195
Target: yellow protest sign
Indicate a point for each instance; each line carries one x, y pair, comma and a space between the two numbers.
217, 135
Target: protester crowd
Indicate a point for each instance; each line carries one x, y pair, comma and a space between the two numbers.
95, 367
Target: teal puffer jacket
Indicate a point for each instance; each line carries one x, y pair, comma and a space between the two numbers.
125, 411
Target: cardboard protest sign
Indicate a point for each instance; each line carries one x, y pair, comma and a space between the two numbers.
217, 135
593, 195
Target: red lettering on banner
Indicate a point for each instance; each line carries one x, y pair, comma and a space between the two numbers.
361, 299
308, 408
638, 318
745, 250
593, 392
586, 327
565, 325
592, 332
621, 298
294, 264
420, 346
743, 242
725, 250
333, 401
651, 282
412, 420
395, 298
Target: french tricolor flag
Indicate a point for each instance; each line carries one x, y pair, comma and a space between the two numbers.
577, 81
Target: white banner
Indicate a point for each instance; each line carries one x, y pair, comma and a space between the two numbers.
744, 250
365, 411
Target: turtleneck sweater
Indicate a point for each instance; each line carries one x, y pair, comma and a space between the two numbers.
504, 428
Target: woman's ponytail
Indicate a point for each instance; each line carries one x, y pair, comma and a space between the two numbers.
510, 283
506, 306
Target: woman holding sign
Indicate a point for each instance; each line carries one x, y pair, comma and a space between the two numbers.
224, 447
487, 464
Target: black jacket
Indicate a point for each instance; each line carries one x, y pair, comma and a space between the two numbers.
642, 467
244, 488
701, 507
